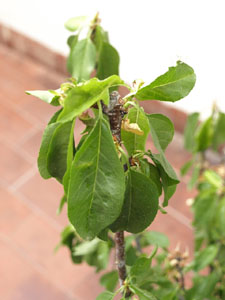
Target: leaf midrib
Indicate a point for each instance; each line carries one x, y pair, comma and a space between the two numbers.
171, 82
97, 163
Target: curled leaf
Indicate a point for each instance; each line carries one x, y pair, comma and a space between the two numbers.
131, 127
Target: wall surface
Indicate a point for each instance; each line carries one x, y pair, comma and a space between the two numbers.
149, 35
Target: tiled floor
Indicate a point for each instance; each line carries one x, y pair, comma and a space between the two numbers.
29, 227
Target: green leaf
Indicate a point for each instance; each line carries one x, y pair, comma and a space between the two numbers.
205, 257
106, 296
160, 160
76, 24
154, 238
213, 178
44, 149
103, 252
83, 96
194, 176
140, 208
69, 159
109, 280
220, 219
83, 58
97, 183
151, 172
61, 205
58, 149
171, 86
204, 135
161, 130
219, 132
168, 176
142, 294
86, 247
108, 61
189, 131
72, 41
46, 96
131, 140
186, 167
100, 37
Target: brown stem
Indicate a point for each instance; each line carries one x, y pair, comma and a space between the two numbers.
115, 113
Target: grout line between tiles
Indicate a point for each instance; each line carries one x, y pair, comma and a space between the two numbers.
23, 179
179, 217
41, 270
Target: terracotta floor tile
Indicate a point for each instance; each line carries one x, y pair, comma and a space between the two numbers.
12, 164
178, 201
32, 144
13, 126
89, 289
13, 213
35, 287
13, 270
46, 194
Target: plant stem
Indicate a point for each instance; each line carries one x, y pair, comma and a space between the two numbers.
115, 114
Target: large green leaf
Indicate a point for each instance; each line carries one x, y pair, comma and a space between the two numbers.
97, 183
76, 23
131, 140
161, 130
219, 131
58, 149
69, 159
108, 61
83, 58
189, 132
171, 86
83, 96
140, 204
49, 97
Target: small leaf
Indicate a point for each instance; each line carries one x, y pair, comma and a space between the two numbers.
154, 238
43, 152
106, 296
171, 86
84, 95
97, 183
46, 96
100, 36
168, 176
61, 205
72, 41
161, 130
186, 167
142, 294
219, 132
86, 247
131, 127
213, 178
83, 58
205, 257
194, 177
189, 132
58, 149
76, 24
131, 140
139, 209
110, 280
108, 61
204, 135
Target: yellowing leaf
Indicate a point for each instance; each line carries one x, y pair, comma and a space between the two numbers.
131, 127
